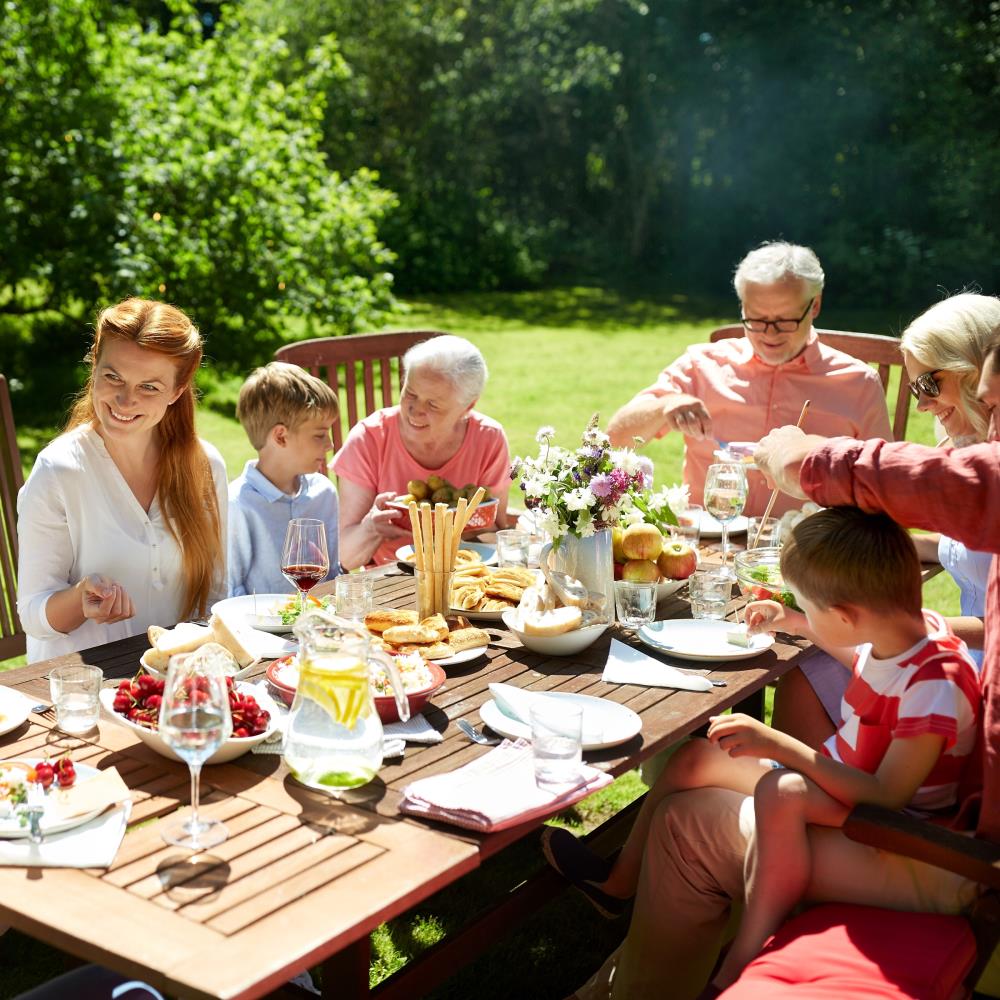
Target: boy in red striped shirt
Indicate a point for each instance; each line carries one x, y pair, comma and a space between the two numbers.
909, 724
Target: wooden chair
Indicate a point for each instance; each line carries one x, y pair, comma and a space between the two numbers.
374, 352
12, 638
871, 348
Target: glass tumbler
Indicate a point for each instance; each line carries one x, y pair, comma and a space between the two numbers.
75, 693
709, 594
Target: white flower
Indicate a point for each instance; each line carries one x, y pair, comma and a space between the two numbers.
548, 523
584, 526
632, 516
592, 435
544, 433
535, 485
626, 460
581, 499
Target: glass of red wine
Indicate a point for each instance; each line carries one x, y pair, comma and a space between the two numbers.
304, 559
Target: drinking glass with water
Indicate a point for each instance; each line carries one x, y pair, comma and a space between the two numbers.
709, 592
556, 743
635, 602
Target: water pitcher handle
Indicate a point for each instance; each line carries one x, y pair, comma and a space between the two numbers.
402, 702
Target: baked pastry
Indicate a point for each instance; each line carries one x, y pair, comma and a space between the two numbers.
500, 588
438, 625
517, 575
494, 604
472, 571
467, 557
382, 618
468, 638
419, 634
467, 596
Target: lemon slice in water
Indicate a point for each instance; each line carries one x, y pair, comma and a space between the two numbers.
341, 691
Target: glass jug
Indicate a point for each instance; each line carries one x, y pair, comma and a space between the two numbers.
334, 735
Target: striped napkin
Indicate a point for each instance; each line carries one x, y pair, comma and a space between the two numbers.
495, 791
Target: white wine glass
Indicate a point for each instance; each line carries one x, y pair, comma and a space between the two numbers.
304, 559
194, 723
725, 498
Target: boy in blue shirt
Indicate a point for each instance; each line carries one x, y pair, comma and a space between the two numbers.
287, 414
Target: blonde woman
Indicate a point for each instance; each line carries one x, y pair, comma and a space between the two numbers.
121, 523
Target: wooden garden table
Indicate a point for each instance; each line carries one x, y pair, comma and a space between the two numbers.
304, 878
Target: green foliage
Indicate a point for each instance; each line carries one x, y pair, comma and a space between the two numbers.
167, 165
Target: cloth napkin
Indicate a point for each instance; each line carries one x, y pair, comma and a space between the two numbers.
627, 665
495, 791
516, 704
92, 845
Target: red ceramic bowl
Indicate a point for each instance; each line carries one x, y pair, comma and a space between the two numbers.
484, 516
385, 705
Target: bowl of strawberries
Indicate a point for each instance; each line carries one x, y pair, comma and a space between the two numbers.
135, 704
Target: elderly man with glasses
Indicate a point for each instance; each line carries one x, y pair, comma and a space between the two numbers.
739, 389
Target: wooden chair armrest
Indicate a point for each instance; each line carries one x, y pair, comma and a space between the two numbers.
937, 845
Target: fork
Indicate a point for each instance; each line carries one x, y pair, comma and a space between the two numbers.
34, 809
475, 735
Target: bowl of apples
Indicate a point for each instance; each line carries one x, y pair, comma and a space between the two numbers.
643, 555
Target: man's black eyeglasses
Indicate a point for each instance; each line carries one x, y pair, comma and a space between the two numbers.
781, 325
926, 384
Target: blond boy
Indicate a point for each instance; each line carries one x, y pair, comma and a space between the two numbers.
287, 414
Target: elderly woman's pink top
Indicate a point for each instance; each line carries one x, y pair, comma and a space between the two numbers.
375, 458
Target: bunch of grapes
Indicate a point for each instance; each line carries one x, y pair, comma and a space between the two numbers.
139, 701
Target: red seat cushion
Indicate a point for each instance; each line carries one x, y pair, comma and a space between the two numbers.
840, 950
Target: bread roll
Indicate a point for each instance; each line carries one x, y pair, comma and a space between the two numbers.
508, 591
429, 651
517, 575
468, 638
399, 634
553, 622
438, 625
379, 620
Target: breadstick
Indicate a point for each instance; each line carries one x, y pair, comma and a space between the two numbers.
473, 504
418, 537
440, 509
428, 543
449, 547
459, 524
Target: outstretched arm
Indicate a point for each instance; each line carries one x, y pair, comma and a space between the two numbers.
648, 415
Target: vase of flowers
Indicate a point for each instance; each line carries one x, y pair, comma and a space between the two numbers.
577, 496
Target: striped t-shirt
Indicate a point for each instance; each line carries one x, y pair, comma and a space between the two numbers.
931, 688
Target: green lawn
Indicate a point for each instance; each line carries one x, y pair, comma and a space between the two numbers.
555, 357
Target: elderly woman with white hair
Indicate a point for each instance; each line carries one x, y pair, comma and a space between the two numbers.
434, 431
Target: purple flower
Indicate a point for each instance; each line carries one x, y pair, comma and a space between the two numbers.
602, 486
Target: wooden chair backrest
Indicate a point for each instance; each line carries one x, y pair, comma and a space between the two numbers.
872, 348
336, 360
12, 638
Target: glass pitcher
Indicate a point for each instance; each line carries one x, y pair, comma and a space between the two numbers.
334, 736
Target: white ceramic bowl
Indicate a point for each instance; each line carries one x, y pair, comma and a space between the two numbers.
564, 644
667, 587
233, 747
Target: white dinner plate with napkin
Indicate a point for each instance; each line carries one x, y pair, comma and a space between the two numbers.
495, 791
605, 723
628, 665
710, 528
701, 639
92, 845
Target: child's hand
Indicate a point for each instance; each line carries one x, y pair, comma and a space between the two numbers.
742, 736
764, 616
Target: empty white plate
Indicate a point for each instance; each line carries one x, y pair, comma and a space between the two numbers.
710, 528
605, 723
700, 639
14, 708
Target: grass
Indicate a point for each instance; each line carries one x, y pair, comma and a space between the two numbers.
555, 357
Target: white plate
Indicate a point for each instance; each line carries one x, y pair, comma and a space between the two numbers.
617, 724
244, 605
481, 616
488, 553
462, 656
710, 528
11, 828
14, 709
233, 747
700, 639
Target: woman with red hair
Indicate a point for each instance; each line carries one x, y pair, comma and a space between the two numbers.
121, 523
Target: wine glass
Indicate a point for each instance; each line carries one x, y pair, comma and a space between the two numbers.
194, 723
304, 559
725, 497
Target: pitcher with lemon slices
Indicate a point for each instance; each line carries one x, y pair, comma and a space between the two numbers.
334, 736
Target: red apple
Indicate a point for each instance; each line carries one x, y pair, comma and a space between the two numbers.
617, 568
642, 541
677, 560
641, 571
